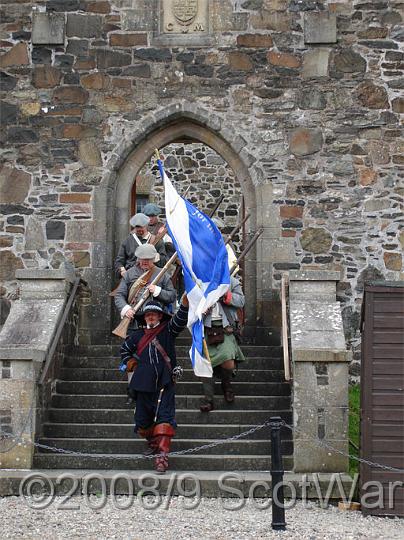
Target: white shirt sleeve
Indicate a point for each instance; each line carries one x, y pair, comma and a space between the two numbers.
157, 291
124, 310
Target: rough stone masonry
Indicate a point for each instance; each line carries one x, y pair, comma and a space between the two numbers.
307, 93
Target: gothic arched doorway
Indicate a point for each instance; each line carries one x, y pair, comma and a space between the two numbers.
185, 132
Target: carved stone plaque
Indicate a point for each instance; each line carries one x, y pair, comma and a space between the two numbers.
185, 17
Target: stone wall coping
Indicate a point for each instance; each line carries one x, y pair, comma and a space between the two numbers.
320, 355
35, 273
314, 275
183, 40
22, 353
379, 283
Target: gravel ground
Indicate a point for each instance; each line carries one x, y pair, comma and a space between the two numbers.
210, 520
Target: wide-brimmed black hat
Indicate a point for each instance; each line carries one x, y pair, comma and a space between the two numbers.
153, 305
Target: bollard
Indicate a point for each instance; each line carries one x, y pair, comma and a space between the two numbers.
278, 508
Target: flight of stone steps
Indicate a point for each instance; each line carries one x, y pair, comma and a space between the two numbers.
88, 415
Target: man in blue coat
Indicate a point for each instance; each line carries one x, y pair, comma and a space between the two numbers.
150, 351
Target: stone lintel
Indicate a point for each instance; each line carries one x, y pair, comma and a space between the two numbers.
43, 285
320, 355
314, 275
313, 286
178, 40
379, 283
23, 354
35, 273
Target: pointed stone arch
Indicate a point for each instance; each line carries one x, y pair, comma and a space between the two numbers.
183, 121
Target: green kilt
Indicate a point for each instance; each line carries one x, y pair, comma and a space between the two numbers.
228, 350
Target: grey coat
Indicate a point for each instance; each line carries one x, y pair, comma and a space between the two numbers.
126, 255
167, 294
229, 311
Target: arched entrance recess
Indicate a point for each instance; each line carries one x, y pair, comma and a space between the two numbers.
184, 129
112, 199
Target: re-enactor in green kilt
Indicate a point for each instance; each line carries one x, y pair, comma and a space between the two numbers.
223, 351
220, 325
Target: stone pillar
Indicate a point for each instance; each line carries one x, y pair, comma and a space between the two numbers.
320, 372
24, 342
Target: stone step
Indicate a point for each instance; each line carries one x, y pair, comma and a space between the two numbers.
183, 416
109, 362
137, 446
183, 431
211, 483
88, 415
183, 402
187, 388
181, 350
248, 350
185, 463
103, 374
184, 339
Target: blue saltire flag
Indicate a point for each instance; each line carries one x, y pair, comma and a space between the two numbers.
204, 260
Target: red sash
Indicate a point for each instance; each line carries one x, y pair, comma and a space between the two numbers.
149, 335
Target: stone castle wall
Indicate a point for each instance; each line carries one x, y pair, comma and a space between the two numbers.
307, 92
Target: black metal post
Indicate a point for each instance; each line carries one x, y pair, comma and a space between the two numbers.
278, 508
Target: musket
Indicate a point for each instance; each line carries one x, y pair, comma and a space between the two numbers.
219, 202
155, 240
122, 329
250, 244
236, 229
138, 284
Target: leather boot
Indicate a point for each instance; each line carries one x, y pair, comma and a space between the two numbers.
209, 391
162, 434
147, 433
228, 393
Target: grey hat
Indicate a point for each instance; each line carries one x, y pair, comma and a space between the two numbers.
151, 209
147, 251
139, 220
